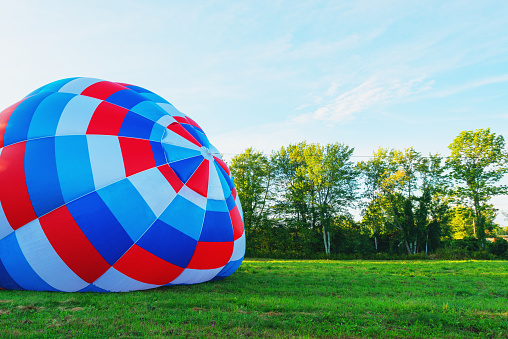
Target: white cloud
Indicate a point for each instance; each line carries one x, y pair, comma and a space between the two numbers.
471, 85
370, 93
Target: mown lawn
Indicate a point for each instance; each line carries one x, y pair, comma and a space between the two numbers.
284, 298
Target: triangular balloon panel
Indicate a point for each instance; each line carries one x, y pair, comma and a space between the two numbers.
107, 187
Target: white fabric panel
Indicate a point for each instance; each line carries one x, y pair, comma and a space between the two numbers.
154, 188
214, 151
215, 191
45, 261
171, 109
166, 120
193, 276
172, 138
238, 249
239, 205
106, 159
76, 115
115, 281
78, 85
195, 198
5, 227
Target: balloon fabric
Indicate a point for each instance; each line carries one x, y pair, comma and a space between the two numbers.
107, 187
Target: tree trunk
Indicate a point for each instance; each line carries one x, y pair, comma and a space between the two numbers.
324, 240
329, 251
408, 248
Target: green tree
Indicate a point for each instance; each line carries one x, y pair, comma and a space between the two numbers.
253, 180
477, 162
434, 188
316, 183
373, 172
406, 198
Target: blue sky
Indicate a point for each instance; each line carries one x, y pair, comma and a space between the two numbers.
268, 73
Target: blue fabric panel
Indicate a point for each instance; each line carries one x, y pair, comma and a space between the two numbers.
52, 87
136, 126
19, 122
216, 205
226, 177
225, 186
125, 98
168, 243
147, 94
154, 97
175, 153
217, 227
6, 282
157, 132
46, 116
158, 153
185, 168
73, 165
92, 288
230, 201
41, 175
100, 227
149, 110
128, 207
230, 268
18, 268
203, 140
184, 216
138, 89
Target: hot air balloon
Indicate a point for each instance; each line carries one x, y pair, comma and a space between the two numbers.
107, 187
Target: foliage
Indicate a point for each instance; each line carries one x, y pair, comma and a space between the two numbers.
297, 200
478, 161
499, 247
252, 175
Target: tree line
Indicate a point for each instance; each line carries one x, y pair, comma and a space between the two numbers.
297, 201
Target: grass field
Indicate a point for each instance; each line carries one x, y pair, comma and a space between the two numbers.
284, 298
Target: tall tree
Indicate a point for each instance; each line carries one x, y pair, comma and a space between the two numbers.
373, 172
434, 187
252, 175
317, 183
399, 188
478, 161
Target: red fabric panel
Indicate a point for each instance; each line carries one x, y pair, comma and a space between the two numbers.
237, 221
102, 90
182, 120
72, 245
4, 119
223, 165
13, 191
193, 123
178, 129
210, 255
146, 267
137, 155
107, 119
171, 177
233, 192
198, 182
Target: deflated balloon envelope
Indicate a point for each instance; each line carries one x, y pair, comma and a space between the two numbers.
107, 187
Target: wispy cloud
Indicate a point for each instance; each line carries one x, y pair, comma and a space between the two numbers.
472, 85
372, 92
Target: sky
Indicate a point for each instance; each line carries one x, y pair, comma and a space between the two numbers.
264, 74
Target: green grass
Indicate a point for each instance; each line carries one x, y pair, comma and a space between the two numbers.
284, 298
